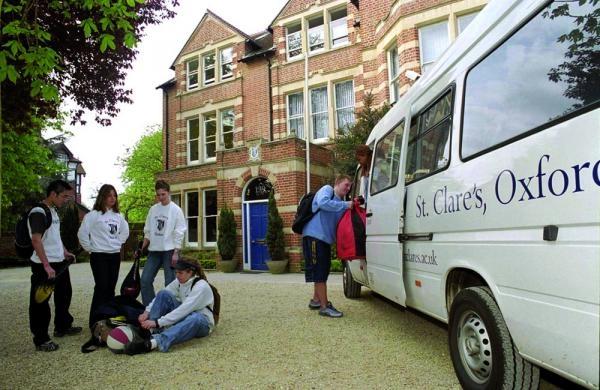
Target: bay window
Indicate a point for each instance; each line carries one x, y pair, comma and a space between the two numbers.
394, 74
295, 114
463, 21
338, 27
227, 125
210, 218
210, 136
318, 112
193, 130
294, 41
433, 40
344, 104
316, 34
191, 216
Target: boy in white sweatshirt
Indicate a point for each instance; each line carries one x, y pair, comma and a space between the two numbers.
163, 236
180, 312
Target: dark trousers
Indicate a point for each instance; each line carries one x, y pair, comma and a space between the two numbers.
39, 313
105, 268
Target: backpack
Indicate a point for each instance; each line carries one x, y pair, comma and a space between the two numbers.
304, 212
23, 245
216, 300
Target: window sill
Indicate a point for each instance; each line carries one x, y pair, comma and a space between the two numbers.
206, 87
318, 52
200, 163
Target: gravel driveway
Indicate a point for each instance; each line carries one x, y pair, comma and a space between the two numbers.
267, 338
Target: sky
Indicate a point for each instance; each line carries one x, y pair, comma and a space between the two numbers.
99, 148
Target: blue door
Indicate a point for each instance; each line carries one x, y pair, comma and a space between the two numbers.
258, 231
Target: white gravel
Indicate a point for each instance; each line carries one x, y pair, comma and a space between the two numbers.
267, 338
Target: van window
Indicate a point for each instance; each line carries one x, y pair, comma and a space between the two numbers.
386, 165
428, 143
545, 71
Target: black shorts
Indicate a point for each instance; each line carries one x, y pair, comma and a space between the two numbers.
317, 260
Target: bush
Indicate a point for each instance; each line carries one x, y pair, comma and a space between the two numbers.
69, 226
226, 242
208, 264
275, 239
336, 266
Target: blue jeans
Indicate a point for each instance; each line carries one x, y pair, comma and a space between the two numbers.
193, 325
154, 261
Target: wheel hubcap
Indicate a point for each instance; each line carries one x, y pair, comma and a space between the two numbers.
474, 347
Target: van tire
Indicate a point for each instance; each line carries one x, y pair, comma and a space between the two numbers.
475, 312
351, 287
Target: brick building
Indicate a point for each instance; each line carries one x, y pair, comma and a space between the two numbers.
234, 118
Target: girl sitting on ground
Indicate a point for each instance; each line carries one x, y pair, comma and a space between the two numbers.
179, 312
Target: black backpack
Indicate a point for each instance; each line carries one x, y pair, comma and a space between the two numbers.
23, 245
216, 297
304, 212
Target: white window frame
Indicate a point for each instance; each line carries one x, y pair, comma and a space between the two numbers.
189, 141
313, 114
287, 41
187, 220
222, 132
206, 81
297, 116
393, 80
222, 63
205, 140
190, 73
310, 30
205, 243
335, 98
432, 62
331, 22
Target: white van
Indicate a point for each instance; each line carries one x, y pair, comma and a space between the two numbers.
484, 202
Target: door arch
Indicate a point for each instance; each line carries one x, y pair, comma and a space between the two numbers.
254, 223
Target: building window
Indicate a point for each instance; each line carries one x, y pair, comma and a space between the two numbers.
192, 73
433, 40
344, 104
226, 63
464, 20
316, 35
210, 136
295, 114
191, 214
209, 68
227, 122
394, 74
176, 198
193, 128
318, 113
294, 41
210, 217
338, 28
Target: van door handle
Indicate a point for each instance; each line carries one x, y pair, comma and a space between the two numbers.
369, 214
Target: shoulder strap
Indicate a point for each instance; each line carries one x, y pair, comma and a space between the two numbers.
196, 280
332, 195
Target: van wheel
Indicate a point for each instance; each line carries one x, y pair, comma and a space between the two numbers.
351, 287
482, 351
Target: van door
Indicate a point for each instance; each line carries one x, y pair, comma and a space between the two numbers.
385, 213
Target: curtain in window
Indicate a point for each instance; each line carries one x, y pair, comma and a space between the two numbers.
433, 40
465, 20
344, 104
295, 114
318, 105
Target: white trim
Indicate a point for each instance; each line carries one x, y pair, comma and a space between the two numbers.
187, 218
209, 244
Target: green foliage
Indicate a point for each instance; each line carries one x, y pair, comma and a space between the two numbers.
275, 239
347, 140
208, 263
336, 266
25, 159
207, 258
69, 226
227, 236
140, 165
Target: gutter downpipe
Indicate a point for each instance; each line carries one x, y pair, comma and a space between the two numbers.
306, 116
166, 128
270, 100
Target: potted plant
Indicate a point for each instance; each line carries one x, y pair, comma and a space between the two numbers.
275, 239
227, 240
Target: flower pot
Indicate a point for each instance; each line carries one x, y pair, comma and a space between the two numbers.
277, 266
228, 265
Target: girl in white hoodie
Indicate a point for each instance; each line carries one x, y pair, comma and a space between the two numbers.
102, 233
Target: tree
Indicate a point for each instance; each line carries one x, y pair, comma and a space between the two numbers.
26, 160
140, 166
274, 238
227, 235
348, 139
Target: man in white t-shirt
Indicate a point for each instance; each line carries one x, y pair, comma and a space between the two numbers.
163, 236
50, 260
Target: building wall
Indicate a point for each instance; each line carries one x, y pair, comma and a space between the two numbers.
260, 86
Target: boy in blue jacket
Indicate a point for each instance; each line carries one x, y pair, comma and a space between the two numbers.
318, 235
